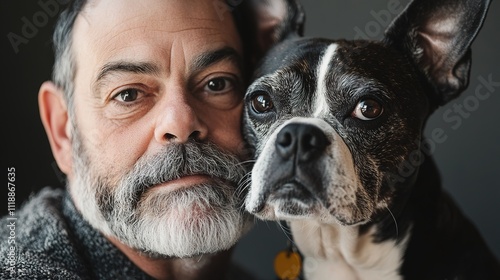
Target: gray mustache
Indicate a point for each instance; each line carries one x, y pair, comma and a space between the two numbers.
178, 160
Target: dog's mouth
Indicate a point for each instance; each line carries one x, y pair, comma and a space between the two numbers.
291, 190
285, 200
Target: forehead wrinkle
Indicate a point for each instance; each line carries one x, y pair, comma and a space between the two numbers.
208, 58
134, 22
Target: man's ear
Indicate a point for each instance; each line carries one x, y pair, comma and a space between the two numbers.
437, 35
54, 116
268, 22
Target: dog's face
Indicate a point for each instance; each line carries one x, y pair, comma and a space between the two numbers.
330, 125
334, 124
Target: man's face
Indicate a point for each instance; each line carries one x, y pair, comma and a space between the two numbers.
158, 85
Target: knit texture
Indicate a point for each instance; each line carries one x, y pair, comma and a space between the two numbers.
53, 241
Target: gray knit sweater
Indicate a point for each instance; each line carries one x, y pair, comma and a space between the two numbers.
53, 241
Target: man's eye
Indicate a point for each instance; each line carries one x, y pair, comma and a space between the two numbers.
128, 95
218, 85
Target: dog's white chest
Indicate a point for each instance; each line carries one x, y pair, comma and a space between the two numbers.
335, 252
317, 269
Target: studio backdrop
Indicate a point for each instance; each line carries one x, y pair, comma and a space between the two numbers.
467, 153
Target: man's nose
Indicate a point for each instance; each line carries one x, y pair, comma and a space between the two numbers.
178, 120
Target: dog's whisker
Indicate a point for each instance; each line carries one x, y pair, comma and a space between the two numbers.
286, 231
248, 161
245, 178
395, 221
243, 185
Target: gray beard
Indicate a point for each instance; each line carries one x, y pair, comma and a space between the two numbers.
185, 222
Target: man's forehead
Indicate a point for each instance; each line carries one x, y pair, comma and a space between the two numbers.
151, 30
164, 15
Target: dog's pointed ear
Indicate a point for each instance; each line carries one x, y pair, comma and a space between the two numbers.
438, 34
269, 22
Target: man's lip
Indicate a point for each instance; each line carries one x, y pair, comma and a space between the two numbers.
185, 181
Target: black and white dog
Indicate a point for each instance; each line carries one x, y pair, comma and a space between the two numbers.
334, 123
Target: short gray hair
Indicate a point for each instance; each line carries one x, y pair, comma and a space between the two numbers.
64, 70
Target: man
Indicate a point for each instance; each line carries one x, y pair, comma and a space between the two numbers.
143, 117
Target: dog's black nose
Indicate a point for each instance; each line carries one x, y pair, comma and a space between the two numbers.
305, 141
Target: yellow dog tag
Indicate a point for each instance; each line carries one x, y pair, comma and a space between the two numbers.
287, 265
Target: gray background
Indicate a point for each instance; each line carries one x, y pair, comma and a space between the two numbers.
469, 159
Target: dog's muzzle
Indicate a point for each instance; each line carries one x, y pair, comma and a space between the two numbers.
301, 142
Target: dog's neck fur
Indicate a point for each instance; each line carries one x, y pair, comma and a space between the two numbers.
338, 252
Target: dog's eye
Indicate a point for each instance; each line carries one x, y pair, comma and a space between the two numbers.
262, 102
367, 109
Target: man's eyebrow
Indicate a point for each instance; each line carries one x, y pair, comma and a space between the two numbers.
200, 62
126, 67
209, 58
